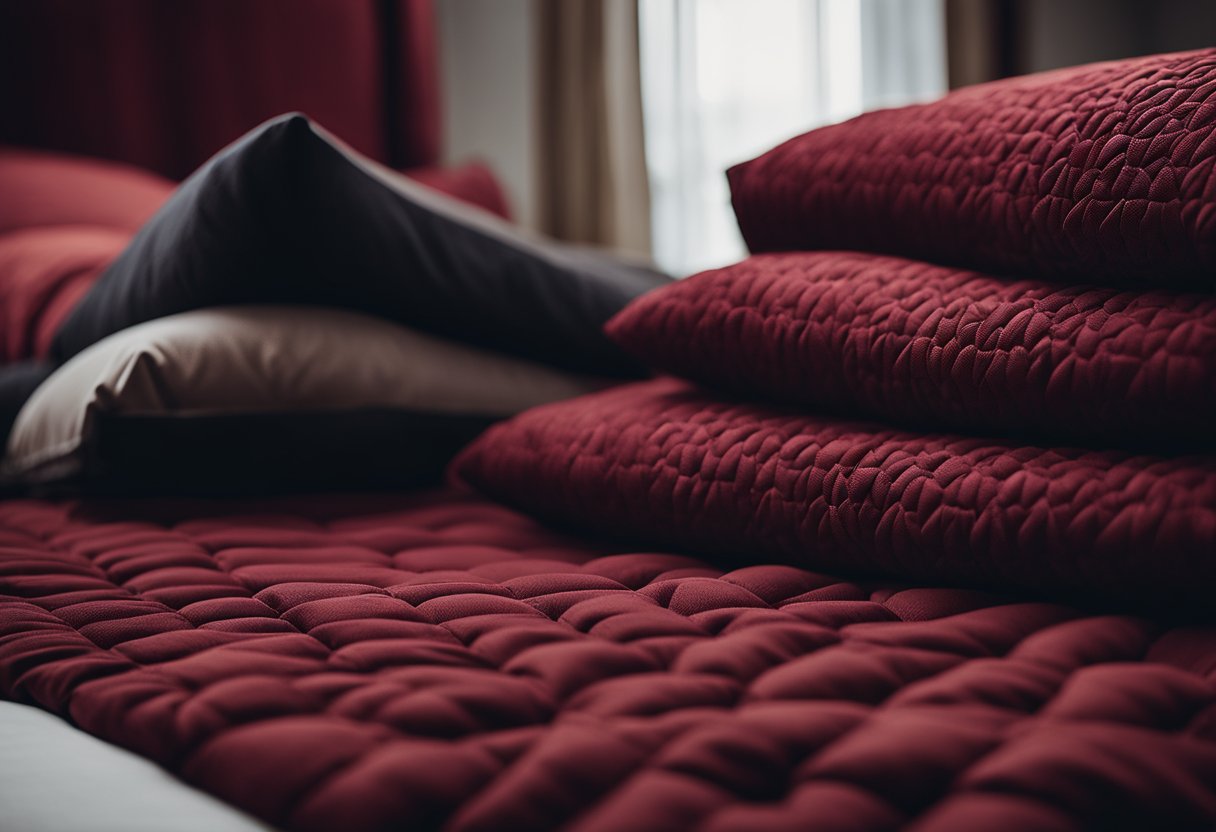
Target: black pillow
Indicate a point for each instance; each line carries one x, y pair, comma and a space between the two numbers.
288, 215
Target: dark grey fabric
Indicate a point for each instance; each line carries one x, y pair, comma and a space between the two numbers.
287, 216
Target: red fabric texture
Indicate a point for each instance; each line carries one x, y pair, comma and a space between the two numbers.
43, 272
62, 220
939, 348
165, 85
1102, 172
662, 461
472, 182
435, 661
41, 189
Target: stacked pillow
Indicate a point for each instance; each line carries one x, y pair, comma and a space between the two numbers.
158, 395
236, 399
985, 353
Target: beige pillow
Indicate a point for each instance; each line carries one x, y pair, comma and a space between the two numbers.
275, 365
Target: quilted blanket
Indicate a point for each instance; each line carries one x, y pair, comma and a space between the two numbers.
439, 662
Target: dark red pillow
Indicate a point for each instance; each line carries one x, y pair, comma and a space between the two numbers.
939, 348
1102, 172
42, 189
658, 462
472, 182
63, 219
43, 273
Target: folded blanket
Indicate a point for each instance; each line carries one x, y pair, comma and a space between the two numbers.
940, 349
662, 462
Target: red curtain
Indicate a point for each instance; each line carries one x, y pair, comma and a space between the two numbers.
166, 84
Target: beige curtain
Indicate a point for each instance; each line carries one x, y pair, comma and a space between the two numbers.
592, 184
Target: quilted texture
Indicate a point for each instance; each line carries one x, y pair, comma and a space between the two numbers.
1101, 172
438, 662
938, 348
660, 460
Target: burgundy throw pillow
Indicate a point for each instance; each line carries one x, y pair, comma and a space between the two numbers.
41, 189
1102, 172
43, 273
939, 348
661, 463
472, 182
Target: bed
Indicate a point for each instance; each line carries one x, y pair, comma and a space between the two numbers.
492, 533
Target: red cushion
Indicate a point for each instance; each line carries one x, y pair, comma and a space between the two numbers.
1102, 172
940, 348
660, 461
52, 189
43, 272
62, 220
472, 182
433, 661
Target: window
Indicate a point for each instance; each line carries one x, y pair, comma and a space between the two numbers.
725, 80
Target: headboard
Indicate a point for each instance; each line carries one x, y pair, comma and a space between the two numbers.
165, 83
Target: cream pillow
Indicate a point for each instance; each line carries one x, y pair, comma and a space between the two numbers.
227, 394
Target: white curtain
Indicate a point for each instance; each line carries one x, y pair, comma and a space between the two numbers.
725, 80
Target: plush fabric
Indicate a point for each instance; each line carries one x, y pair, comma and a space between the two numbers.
939, 348
51, 189
438, 662
44, 272
473, 183
286, 215
163, 85
64, 219
265, 396
1101, 172
662, 461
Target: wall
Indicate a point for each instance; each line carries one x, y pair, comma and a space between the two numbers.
488, 91
1061, 33
489, 70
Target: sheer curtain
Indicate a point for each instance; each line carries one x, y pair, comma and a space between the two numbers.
724, 80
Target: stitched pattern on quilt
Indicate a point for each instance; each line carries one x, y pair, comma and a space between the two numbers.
445, 662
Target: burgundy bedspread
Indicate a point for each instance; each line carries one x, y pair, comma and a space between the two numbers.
436, 661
